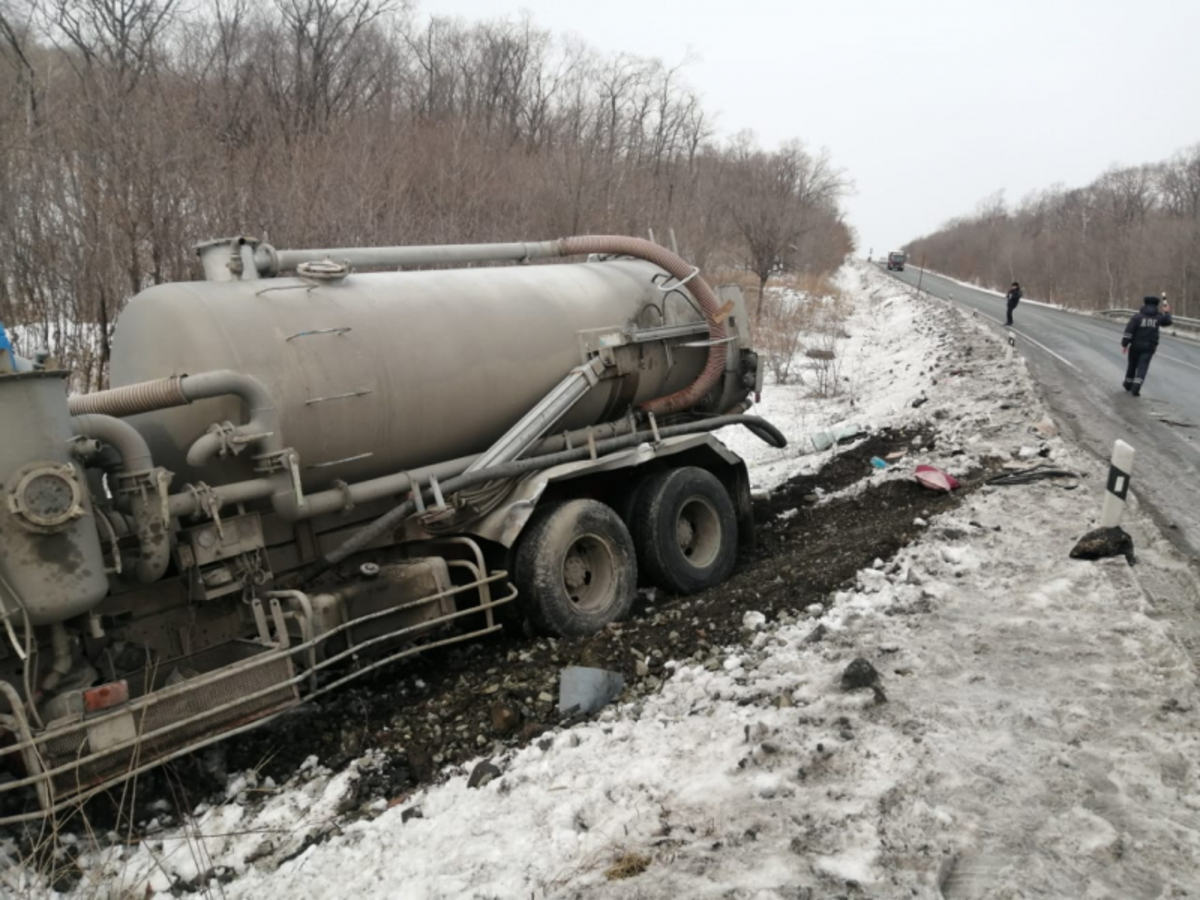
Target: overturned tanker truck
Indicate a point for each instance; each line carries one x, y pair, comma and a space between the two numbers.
304, 471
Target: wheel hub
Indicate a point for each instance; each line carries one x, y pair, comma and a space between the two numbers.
698, 528
686, 533
588, 572
575, 572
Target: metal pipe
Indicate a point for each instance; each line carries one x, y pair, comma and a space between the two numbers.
396, 484
568, 441
714, 368
153, 535
270, 261
61, 644
181, 390
189, 503
337, 499
203, 449
538, 420
307, 625
263, 425
28, 750
118, 434
262, 428
140, 481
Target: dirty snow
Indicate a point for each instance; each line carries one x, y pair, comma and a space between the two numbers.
881, 370
1034, 734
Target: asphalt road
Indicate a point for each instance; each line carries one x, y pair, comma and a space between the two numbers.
1078, 361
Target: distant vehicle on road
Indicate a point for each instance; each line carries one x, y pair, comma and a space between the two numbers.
896, 260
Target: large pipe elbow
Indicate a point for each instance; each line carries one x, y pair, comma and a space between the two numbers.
204, 449
714, 368
118, 434
178, 390
226, 382
154, 539
262, 426
150, 524
181, 390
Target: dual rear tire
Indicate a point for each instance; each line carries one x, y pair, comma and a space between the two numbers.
685, 530
577, 562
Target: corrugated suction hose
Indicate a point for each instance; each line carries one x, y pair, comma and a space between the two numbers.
132, 399
661, 256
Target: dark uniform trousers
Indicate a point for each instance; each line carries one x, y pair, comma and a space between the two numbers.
1139, 364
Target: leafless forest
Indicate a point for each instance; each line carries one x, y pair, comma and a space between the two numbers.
132, 129
1131, 232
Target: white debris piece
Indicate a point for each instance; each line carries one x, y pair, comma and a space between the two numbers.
754, 621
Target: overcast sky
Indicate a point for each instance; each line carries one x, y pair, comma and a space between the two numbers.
929, 105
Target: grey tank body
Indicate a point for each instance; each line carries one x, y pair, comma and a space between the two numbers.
384, 372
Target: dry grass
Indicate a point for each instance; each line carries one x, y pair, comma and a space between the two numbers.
53, 845
801, 323
627, 865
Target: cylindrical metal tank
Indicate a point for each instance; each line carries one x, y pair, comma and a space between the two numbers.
50, 554
382, 372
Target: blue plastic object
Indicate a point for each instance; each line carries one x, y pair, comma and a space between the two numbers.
7, 348
878, 463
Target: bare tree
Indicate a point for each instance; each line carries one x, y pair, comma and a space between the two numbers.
1132, 231
323, 61
774, 200
15, 23
131, 129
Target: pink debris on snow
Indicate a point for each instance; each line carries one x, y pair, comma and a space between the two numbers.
935, 479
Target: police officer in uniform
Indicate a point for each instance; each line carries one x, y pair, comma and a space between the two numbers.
1013, 297
1141, 340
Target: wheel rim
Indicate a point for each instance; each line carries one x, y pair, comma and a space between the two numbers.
589, 573
698, 530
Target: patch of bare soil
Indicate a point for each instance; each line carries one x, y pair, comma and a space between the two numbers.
453, 705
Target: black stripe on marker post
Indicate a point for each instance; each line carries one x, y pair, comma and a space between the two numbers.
1118, 482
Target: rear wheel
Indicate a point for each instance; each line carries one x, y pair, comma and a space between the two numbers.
575, 568
685, 530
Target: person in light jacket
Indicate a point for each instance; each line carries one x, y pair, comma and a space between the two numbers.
1013, 297
1140, 340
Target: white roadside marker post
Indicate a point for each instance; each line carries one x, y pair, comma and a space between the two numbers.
1008, 351
1118, 485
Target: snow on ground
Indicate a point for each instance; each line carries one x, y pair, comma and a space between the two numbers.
1034, 734
881, 369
